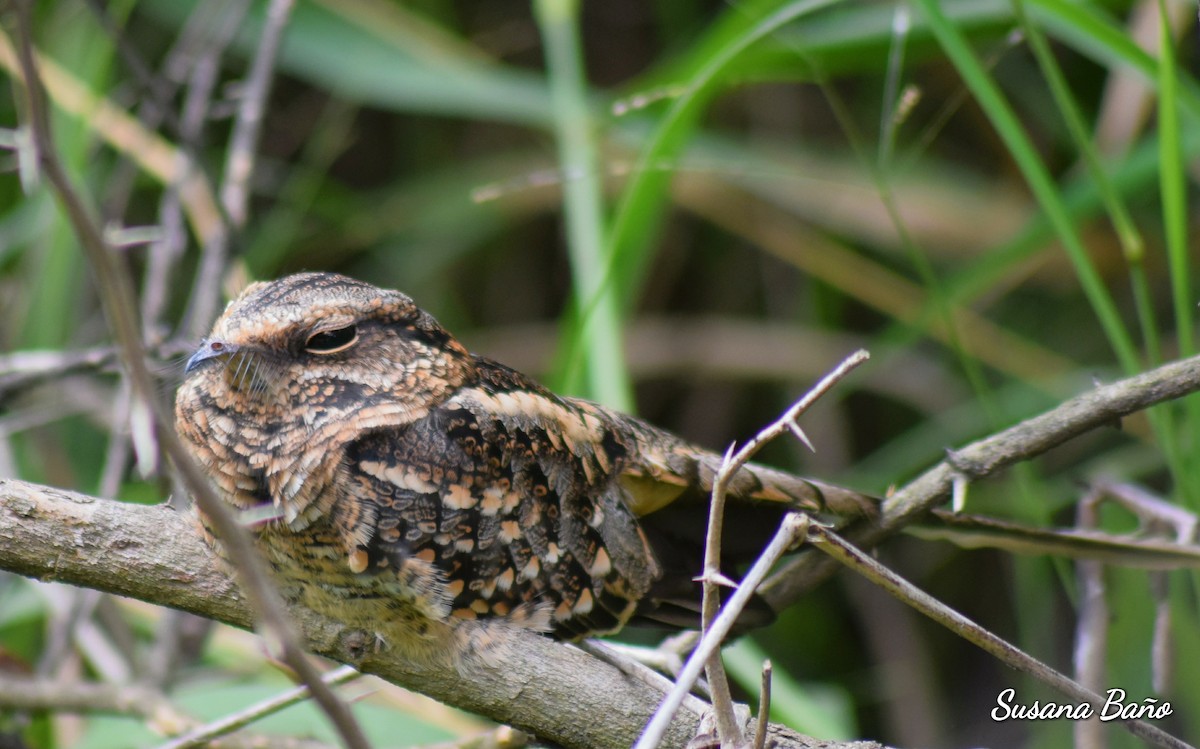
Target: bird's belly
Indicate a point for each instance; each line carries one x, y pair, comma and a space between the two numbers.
312, 569
407, 609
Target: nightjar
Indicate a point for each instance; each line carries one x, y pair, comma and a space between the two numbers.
402, 485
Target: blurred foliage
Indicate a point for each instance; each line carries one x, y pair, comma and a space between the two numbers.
693, 210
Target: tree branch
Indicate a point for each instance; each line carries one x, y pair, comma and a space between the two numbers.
1104, 406
155, 554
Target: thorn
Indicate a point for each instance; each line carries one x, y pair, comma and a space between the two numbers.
958, 494
717, 579
800, 435
729, 451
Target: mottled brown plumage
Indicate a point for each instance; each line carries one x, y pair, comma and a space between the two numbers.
409, 488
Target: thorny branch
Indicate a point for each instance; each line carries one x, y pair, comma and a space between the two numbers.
1101, 407
764, 707
1045, 431
734, 461
791, 531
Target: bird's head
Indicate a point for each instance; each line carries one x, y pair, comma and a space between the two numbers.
295, 369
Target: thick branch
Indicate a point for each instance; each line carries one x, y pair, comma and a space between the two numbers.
154, 554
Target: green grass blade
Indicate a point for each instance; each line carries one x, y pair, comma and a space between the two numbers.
642, 205
1036, 175
1173, 190
1131, 240
597, 319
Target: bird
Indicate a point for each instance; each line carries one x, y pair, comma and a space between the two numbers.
435, 498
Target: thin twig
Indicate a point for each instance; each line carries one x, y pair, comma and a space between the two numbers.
117, 301
791, 530
239, 164
24, 693
1091, 627
629, 659
152, 153
1139, 550
727, 726
1100, 407
21, 370
243, 142
202, 735
158, 91
847, 554
764, 707
1156, 516
197, 57
500, 737
116, 456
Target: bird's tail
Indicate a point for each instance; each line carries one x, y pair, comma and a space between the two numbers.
667, 468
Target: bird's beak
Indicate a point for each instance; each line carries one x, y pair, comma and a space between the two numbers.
209, 348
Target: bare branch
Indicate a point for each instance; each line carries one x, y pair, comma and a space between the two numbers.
1091, 628
722, 701
764, 707
501, 737
791, 531
845, 553
202, 735
155, 554
1101, 407
24, 693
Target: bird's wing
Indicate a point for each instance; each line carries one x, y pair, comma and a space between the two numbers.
510, 492
526, 501
668, 484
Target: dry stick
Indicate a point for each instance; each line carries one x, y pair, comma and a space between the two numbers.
116, 299
727, 726
1100, 407
850, 556
500, 737
1156, 515
21, 370
196, 58
149, 84
239, 163
764, 707
204, 734
791, 530
25, 693
1091, 629
728, 729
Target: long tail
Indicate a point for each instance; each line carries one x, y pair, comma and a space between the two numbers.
666, 466
759, 482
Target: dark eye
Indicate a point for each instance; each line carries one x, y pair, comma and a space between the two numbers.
332, 341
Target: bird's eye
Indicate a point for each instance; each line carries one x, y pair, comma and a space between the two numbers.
332, 341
